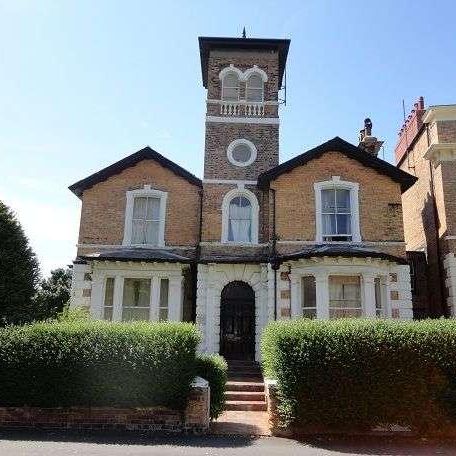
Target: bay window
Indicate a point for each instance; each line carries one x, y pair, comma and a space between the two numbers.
344, 296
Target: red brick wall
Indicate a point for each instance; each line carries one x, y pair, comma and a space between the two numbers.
195, 419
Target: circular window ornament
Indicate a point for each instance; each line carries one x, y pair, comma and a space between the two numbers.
241, 152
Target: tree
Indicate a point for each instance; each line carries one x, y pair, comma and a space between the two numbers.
53, 294
19, 271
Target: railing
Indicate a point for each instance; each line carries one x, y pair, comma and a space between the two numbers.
239, 108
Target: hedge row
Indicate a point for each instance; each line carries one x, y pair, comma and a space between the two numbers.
214, 369
363, 373
95, 363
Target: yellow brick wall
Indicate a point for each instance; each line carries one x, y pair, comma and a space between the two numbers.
103, 206
379, 199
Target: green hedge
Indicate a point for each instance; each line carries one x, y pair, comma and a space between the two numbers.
362, 373
214, 369
95, 363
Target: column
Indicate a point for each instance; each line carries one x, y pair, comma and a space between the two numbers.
97, 298
118, 298
175, 298
296, 306
322, 295
369, 295
271, 297
154, 298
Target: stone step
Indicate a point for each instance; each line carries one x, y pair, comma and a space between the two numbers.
246, 406
244, 373
244, 386
256, 396
245, 378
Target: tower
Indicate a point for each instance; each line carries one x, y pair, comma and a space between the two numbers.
243, 77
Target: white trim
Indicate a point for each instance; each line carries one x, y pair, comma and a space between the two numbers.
225, 214
354, 206
247, 120
229, 181
442, 112
231, 69
255, 70
243, 76
115, 246
223, 244
266, 102
347, 242
238, 142
441, 152
147, 191
450, 237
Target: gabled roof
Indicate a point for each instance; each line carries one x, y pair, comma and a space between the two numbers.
207, 43
144, 154
339, 145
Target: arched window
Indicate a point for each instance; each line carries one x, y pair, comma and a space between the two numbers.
240, 220
230, 87
254, 88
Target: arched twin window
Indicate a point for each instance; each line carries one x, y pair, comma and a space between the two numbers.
254, 79
240, 217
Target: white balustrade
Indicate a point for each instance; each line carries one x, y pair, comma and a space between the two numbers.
239, 108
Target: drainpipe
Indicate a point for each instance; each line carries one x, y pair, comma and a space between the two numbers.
273, 257
194, 266
443, 306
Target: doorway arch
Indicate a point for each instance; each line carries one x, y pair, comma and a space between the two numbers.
237, 321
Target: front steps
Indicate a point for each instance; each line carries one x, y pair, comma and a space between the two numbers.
245, 387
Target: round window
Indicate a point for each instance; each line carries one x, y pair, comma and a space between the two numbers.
241, 152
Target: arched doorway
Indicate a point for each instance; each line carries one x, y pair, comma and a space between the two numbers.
237, 321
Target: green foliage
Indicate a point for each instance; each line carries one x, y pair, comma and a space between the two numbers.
362, 373
73, 314
19, 271
97, 363
214, 369
53, 294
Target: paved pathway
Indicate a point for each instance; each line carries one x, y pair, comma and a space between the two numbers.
41, 444
241, 423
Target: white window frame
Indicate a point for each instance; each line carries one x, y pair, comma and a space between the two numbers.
234, 144
353, 187
243, 77
226, 213
225, 72
255, 88
145, 192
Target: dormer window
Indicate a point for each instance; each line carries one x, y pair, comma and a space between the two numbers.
145, 218
254, 88
337, 215
230, 86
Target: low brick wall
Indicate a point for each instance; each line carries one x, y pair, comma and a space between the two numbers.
195, 419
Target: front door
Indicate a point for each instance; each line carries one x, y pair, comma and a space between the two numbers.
237, 322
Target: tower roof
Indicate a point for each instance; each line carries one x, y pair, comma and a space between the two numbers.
207, 44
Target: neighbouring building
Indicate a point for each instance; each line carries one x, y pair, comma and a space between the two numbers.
319, 236
427, 149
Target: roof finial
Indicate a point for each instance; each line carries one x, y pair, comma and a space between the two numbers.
243, 33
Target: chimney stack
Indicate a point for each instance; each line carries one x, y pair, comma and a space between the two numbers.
367, 142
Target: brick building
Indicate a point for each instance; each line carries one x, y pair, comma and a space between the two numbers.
320, 235
426, 148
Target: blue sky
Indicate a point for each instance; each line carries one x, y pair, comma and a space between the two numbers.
85, 83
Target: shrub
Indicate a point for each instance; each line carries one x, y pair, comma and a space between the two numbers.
214, 369
73, 314
53, 294
363, 373
19, 271
96, 363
